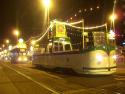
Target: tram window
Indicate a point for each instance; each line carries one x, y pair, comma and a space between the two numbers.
50, 49
56, 46
99, 38
67, 47
60, 47
88, 39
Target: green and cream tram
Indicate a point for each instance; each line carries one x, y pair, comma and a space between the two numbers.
88, 52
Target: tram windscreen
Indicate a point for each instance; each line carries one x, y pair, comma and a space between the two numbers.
99, 39
94, 39
18, 51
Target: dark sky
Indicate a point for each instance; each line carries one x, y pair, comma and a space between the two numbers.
27, 15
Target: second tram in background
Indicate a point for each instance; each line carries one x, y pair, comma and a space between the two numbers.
88, 51
19, 54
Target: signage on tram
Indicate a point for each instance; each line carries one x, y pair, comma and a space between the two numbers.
60, 30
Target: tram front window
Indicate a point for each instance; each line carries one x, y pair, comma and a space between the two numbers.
99, 39
95, 40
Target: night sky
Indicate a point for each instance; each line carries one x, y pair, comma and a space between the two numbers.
27, 15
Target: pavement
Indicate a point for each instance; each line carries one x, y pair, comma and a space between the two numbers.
29, 79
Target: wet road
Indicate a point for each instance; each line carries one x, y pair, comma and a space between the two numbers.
28, 79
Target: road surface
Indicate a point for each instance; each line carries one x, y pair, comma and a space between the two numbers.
28, 79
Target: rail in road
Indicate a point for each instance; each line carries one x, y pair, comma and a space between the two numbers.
29, 80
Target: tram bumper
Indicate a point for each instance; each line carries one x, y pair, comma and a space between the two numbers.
100, 71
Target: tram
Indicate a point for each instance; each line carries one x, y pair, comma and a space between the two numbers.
19, 54
88, 51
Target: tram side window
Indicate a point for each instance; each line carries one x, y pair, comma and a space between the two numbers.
55, 46
88, 39
67, 47
60, 47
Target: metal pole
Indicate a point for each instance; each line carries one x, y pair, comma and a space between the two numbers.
107, 41
83, 32
113, 22
48, 21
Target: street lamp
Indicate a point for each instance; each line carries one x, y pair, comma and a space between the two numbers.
7, 41
16, 33
47, 4
112, 18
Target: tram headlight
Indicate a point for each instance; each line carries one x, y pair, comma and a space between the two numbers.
99, 57
19, 59
25, 59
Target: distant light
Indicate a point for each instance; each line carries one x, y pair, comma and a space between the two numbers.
3, 45
7, 41
75, 15
71, 18
10, 47
91, 9
80, 11
85, 10
21, 40
123, 43
97, 7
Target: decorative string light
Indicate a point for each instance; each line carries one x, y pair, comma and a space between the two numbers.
86, 28
85, 10
68, 24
